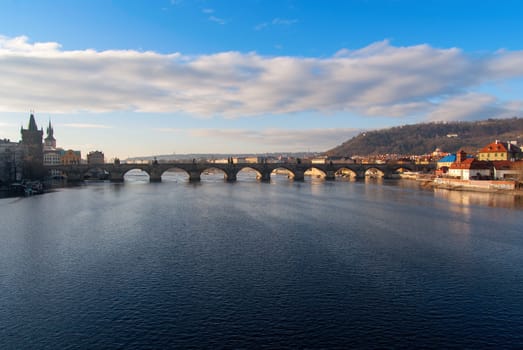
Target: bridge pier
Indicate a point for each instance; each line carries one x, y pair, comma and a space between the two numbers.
231, 177
155, 178
194, 176
330, 175
116, 176
266, 175
155, 175
76, 172
299, 175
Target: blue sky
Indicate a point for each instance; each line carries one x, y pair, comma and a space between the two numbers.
161, 76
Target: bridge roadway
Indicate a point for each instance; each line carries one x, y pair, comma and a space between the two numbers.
264, 170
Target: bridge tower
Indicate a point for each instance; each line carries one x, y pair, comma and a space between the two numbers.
33, 160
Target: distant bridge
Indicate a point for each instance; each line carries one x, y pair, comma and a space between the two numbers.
194, 170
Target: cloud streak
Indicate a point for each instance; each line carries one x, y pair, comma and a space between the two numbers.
269, 139
85, 126
2, 124
217, 20
276, 22
377, 80
284, 21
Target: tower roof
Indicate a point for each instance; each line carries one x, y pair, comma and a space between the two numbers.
50, 132
32, 123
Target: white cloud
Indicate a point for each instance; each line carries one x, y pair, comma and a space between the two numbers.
85, 126
471, 106
20, 44
2, 124
261, 26
396, 110
217, 20
505, 64
516, 106
276, 22
276, 138
378, 80
169, 130
283, 21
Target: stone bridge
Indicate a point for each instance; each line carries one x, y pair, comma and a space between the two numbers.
194, 170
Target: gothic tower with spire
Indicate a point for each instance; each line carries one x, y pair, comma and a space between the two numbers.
50, 141
33, 161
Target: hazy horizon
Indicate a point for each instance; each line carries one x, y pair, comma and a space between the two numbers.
254, 76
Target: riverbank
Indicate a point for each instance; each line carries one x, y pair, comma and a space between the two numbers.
477, 185
24, 188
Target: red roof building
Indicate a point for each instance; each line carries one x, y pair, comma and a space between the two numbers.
470, 168
507, 170
500, 151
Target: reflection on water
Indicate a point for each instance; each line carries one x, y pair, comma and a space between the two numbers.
280, 265
470, 198
374, 180
463, 199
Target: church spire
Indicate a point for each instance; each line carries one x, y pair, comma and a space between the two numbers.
50, 141
50, 131
32, 123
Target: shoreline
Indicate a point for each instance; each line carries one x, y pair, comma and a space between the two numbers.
482, 186
457, 185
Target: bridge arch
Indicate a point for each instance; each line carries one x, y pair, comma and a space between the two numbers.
175, 174
374, 173
295, 171
96, 172
282, 170
346, 173
136, 174
399, 168
246, 172
213, 174
315, 173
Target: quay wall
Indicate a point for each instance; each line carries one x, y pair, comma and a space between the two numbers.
475, 185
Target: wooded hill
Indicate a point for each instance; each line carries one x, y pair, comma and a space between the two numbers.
425, 138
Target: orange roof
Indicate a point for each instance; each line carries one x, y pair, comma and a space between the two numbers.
507, 164
471, 163
494, 147
502, 164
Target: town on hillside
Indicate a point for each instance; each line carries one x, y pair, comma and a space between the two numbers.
496, 166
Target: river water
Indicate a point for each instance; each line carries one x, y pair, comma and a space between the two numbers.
260, 265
